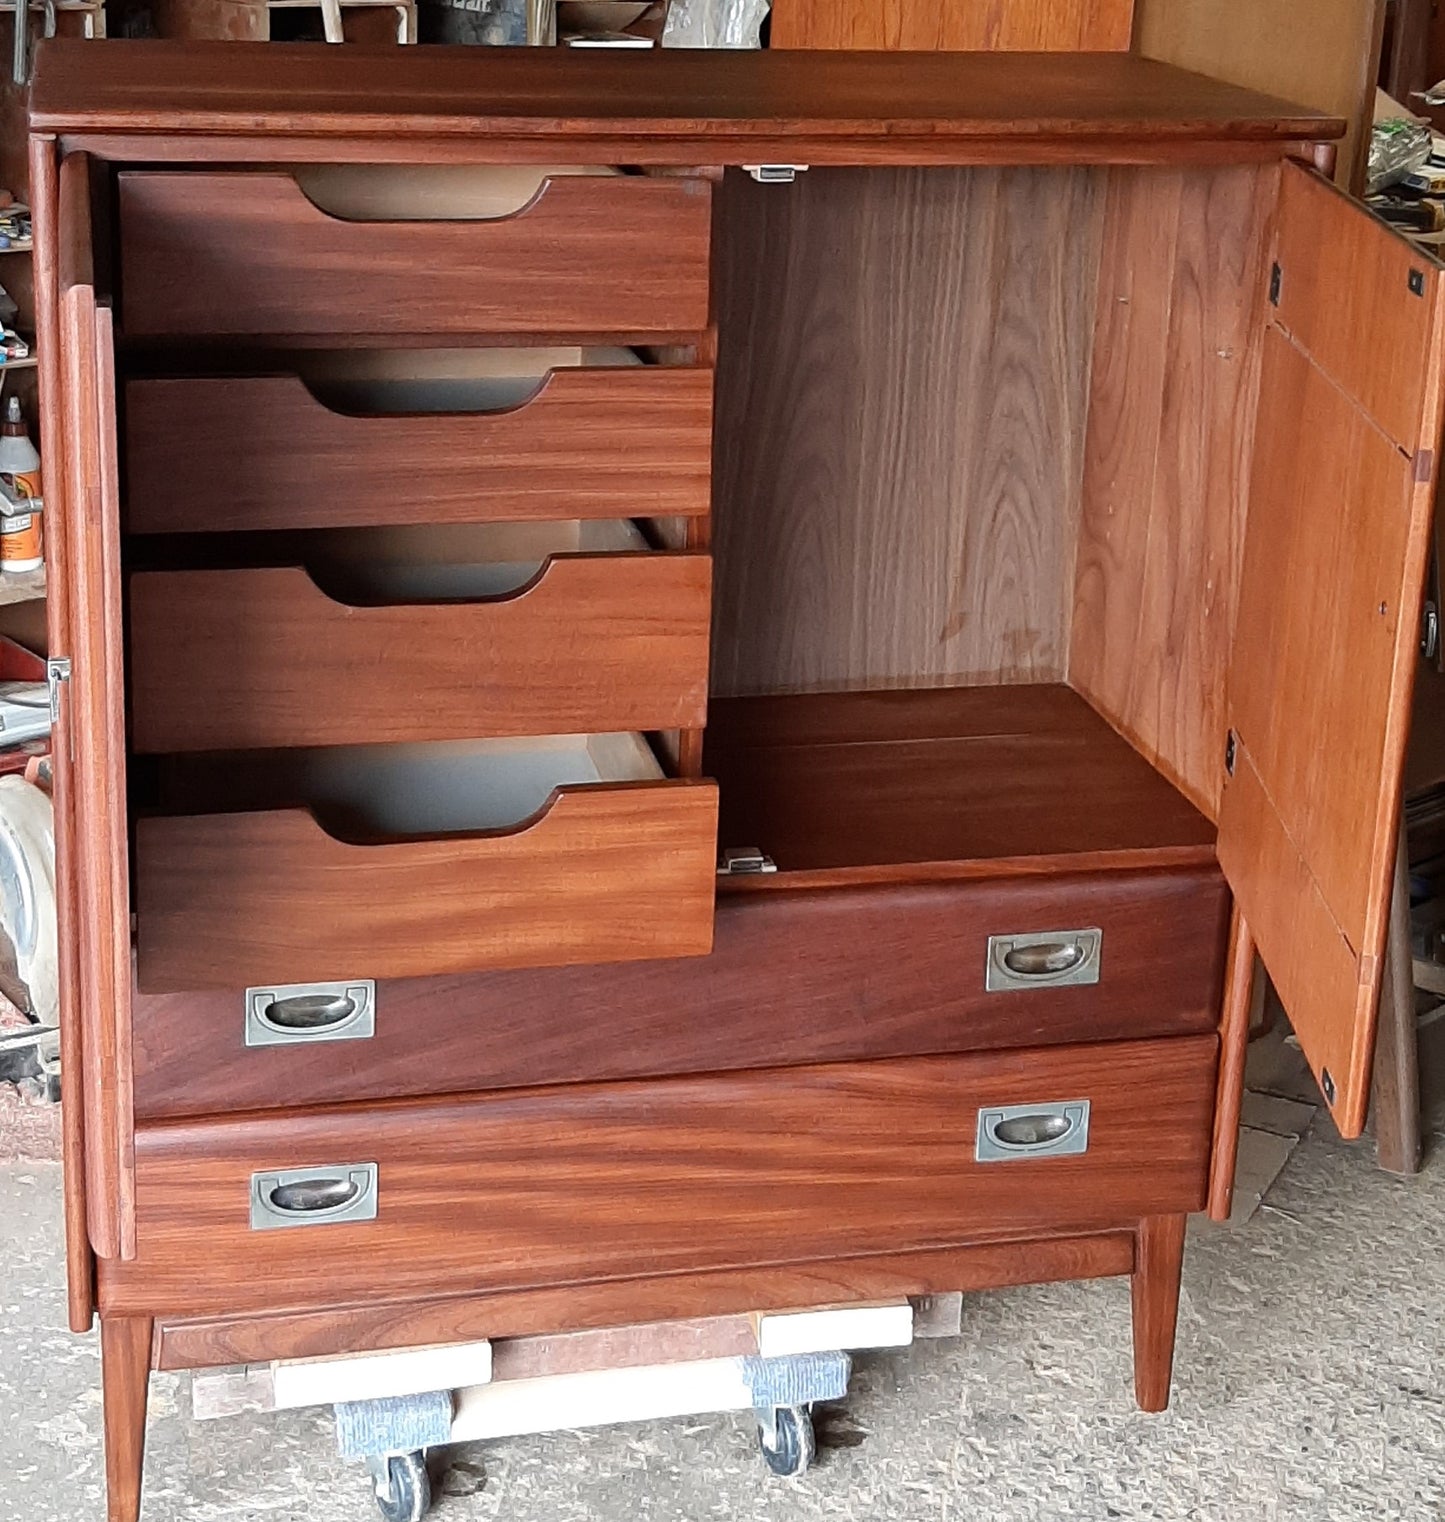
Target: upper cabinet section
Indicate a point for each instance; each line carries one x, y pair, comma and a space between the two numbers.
155, 100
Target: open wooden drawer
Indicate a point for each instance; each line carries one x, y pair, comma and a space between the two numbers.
394, 861
408, 437
252, 254
493, 629
554, 1186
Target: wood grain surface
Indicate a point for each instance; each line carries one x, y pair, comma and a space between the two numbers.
205, 1343
248, 254
674, 1175
1070, 26
125, 1365
1241, 968
54, 261
592, 443
861, 973
667, 106
898, 444
1154, 1293
862, 785
249, 659
1340, 513
1183, 285
96, 704
605, 873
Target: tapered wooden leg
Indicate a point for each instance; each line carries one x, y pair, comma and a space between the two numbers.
1158, 1263
125, 1366
1395, 1089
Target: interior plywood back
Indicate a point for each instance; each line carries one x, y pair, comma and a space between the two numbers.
1070, 26
1183, 284
901, 394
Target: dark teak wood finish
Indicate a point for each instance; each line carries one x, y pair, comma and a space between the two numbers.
590, 443
249, 255
592, 644
793, 977
1017, 520
678, 1174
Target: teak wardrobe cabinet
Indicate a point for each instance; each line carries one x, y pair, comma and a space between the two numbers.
1011, 529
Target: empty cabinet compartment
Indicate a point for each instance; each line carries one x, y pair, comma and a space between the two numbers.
395, 861
477, 631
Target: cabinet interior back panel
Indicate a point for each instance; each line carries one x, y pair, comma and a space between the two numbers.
901, 398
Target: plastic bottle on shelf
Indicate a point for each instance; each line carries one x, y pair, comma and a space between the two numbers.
20, 532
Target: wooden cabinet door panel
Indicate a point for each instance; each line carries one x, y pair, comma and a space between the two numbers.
1335, 552
92, 772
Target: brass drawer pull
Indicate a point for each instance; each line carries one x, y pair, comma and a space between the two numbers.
1048, 959
311, 1012
1059, 1129
313, 1196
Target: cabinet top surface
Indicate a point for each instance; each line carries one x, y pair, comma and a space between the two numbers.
889, 105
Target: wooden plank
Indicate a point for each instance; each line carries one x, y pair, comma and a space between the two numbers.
603, 874
898, 444
1183, 283
592, 443
55, 443
1239, 985
1085, 26
1324, 53
205, 1343
672, 1175
723, 106
592, 644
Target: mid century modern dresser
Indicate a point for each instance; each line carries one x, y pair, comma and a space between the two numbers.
640, 741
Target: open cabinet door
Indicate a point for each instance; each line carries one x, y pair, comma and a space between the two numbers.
90, 758
1338, 537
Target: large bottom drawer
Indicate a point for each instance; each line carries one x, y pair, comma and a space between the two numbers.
839, 975
612, 1181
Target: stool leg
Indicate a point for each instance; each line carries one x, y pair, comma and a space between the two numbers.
1158, 1263
125, 1365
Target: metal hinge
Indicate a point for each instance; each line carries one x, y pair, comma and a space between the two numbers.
745, 861
1229, 753
1276, 279
1430, 631
775, 174
57, 670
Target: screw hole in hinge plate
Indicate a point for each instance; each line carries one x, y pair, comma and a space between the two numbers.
1327, 1083
1229, 753
1417, 282
1276, 279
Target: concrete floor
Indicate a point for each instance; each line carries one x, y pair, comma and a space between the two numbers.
1308, 1387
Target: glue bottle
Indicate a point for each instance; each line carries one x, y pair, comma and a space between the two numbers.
20, 533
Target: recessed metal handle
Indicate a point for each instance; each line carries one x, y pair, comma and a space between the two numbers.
1049, 958
1055, 1129
313, 1196
311, 1012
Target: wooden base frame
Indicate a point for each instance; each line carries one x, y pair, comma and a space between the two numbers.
1149, 1251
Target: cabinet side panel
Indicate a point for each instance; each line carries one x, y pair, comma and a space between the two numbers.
1083, 26
1182, 286
901, 389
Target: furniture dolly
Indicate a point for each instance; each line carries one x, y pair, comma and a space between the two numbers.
833, 876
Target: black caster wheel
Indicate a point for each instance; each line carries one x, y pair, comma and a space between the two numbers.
402, 1486
788, 1449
